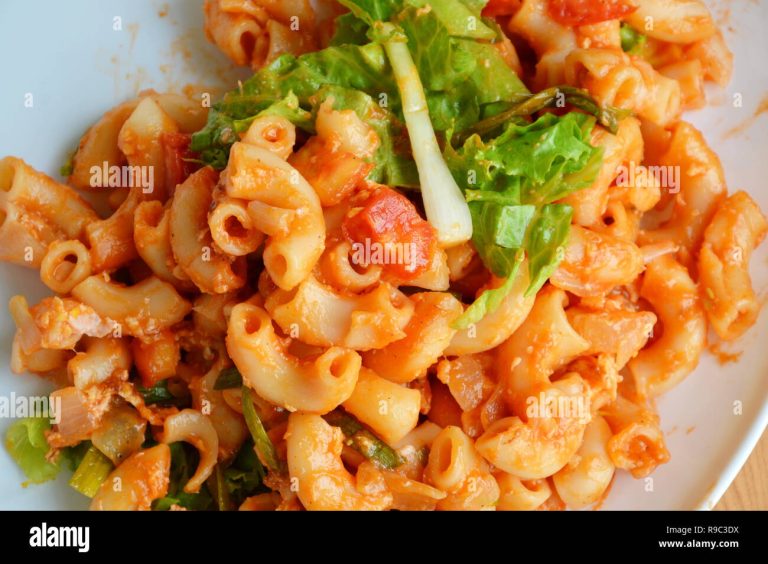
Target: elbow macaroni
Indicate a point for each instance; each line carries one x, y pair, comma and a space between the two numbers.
539, 405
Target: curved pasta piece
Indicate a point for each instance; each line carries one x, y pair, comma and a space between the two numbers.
101, 361
338, 267
586, 477
543, 444
56, 323
324, 484
436, 277
521, 495
317, 315
391, 410
601, 375
675, 299
715, 58
152, 238
616, 79
595, 263
283, 206
157, 357
542, 344
191, 240
228, 421
273, 133
702, 189
626, 147
44, 362
497, 326
638, 443
111, 239
411, 495
35, 211
549, 39
232, 228
255, 33
99, 145
726, 287
66, 264
137, 482
619, 333
141, 309
211, 311
674, 21
690, 76
456, 467
193, 427
316, 385
427, 335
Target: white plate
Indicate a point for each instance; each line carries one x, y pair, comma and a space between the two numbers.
76, 66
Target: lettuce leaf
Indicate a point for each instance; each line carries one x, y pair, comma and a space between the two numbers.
25, 442
511, 183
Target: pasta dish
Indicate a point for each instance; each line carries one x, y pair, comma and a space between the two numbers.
432, 255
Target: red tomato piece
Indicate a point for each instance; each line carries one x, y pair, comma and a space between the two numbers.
389, 218
586, 12
501, 8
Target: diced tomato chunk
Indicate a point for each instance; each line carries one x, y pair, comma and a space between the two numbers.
586, 12
501, 8
387, 219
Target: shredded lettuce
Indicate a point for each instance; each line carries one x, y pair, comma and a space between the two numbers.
512, 183
25, 442
511, 172
463, 74
245, 476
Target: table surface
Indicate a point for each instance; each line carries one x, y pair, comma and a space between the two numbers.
750, 489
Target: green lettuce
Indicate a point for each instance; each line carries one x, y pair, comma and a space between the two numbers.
464, 76
25, 442
512, 183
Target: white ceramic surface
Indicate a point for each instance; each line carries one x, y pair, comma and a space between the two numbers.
76, 66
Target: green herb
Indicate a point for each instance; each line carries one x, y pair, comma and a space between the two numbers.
363, 441
160, 395
632, 41
91, 473
245, 476
68, 167
263, 444
557, 96
228, 378
184, 461
217, 484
